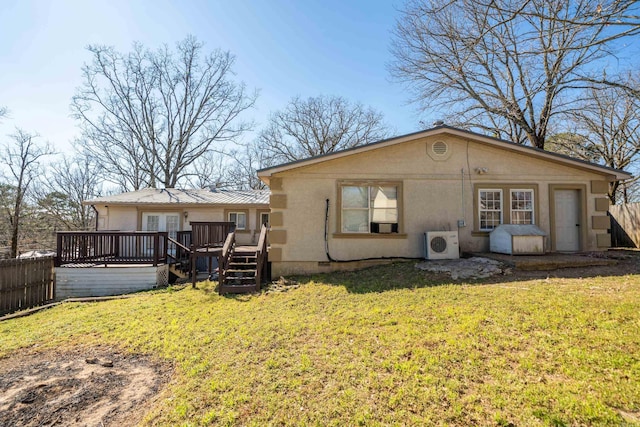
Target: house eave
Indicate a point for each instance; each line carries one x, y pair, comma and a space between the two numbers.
610, 173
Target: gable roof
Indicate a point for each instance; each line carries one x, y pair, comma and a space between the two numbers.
617, 174
156, 196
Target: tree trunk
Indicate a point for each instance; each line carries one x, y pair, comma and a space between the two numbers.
15, 226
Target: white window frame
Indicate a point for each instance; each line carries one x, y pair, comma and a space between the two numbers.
352, 209
481, 210
244, 214
512, 210
369, 209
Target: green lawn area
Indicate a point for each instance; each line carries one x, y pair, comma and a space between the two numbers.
385, 346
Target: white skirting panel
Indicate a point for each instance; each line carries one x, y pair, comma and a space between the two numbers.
73, 282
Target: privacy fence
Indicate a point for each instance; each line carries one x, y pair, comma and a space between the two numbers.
25, 283
625, 225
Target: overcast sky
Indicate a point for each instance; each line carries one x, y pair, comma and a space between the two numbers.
282, 48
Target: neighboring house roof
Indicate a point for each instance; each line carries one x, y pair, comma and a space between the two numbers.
444, 129
154, 196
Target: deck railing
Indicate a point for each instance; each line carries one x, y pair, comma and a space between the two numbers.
179, 249
225, 258
210, 234
111, 247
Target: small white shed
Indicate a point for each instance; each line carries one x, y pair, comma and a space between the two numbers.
514, 239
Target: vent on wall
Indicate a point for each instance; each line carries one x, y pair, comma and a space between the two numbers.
438, 150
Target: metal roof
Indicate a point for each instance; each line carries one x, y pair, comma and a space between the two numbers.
154, 196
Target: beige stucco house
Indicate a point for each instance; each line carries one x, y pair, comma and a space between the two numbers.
378, 200
172, 210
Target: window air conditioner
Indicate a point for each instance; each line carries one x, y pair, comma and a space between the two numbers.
384, 227
441, 245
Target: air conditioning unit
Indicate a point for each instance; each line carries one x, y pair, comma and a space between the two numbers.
441, 245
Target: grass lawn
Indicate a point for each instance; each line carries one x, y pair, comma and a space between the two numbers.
385, 346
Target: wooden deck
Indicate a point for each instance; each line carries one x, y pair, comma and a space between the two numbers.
241, 268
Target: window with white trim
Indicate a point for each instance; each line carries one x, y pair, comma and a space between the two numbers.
239, 219
490, 208
369, 209
522, 207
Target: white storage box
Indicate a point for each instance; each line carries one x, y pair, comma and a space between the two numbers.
517, 240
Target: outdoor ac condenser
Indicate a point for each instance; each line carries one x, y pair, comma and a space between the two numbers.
441, 245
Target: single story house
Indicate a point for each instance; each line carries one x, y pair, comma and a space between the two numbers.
172, 210
338, 210
96, 264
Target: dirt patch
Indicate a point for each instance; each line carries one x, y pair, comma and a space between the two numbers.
88, 387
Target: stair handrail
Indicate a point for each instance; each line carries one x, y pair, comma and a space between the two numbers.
182, 253
225, 257
180, 245
261, 255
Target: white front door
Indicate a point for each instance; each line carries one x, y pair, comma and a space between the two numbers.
567, 219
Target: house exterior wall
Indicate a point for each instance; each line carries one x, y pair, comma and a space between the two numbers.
437, 192
129, 218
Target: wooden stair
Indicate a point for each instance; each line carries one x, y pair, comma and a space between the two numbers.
241, 274
179, 270
242, 269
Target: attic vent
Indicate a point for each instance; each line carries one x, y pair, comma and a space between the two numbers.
440, 148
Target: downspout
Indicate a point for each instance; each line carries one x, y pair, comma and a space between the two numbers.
464, 217
97, 214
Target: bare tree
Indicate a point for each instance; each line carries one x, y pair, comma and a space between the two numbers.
211, 170
245, 164
22, 160
606, 131
68, 183
507, 67
148, 115
320, 125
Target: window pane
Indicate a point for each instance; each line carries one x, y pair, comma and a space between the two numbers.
384, 197
490, 209
355, 197
522, 207
153, 222
384, 204
385, 215
242, 221
520, 217
173, 222
355, 221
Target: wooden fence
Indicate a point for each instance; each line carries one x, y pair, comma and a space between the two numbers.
625, 225
25, 283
